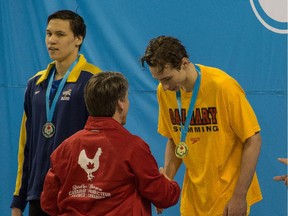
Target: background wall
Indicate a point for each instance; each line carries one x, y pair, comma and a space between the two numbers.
247, 39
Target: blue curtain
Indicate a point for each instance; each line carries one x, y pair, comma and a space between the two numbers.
239, 37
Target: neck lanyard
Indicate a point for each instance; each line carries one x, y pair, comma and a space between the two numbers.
184, 129
50, 110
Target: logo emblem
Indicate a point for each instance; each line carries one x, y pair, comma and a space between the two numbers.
271, 14
89, 165
66, 95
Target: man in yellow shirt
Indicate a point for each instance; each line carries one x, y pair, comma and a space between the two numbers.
210, 126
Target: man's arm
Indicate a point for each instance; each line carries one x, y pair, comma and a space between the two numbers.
237, 204
50, 192
156, 188
172, 163
20, 194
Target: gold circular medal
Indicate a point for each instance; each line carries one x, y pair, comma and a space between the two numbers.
48, 130
181, 150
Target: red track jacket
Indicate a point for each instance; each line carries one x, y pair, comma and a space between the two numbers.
104, 170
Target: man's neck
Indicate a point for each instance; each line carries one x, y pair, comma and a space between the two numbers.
63, 66
191, 76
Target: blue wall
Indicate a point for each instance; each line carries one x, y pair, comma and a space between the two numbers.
239, 37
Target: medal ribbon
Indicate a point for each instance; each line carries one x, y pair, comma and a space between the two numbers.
50, 110
191, 106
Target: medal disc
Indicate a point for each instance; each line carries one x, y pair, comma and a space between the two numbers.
181, 150
48, 130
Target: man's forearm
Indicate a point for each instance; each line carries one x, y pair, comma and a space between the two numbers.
249, 160
172, 163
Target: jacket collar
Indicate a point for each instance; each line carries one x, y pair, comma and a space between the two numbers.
73, 76
98, 123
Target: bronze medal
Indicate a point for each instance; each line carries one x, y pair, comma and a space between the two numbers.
48, 130
181, 150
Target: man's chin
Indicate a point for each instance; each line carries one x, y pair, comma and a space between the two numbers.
53, 57
174, 89
123, 122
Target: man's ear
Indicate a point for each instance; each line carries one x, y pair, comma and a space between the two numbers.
79, 40
120, 104
185, 61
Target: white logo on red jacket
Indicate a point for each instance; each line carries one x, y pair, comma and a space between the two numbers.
89, 165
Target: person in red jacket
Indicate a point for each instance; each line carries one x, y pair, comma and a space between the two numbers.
104, 169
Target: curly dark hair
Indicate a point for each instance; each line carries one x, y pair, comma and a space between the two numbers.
164, 50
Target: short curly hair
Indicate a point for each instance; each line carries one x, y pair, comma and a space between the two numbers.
164, 50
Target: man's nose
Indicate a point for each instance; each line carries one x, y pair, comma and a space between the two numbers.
52, 39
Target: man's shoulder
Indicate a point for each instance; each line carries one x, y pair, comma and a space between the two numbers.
87, 66
91, 68
36, 76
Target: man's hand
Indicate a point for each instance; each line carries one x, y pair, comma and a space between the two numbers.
161, 171
236, 207
283, 178
159, 210
283, 160
16, 212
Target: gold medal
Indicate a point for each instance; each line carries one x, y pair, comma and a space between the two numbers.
181, 150
48, 130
